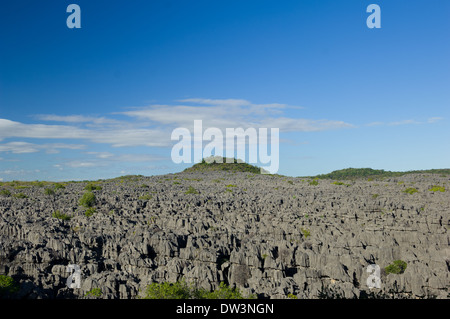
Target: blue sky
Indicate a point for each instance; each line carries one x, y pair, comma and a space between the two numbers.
102, 101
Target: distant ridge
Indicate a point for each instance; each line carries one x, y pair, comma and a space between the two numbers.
211, 164
357, 173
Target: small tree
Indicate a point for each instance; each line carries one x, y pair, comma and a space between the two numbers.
397, 267
87, 200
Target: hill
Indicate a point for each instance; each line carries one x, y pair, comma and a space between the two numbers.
358, 173
211, 164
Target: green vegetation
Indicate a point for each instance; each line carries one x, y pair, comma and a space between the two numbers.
5, 192
235, 166
397, 267
146, 197
49, 192
410, 190
370, 174
191, 190
340, 183
292, 296
92, 187
62, 216
59, 186
7, 285
128, 178
437, 189
94, 292
231, 185
374, 196
20, 195
181, 290
314, 182
87, 200
306, 233
89, 212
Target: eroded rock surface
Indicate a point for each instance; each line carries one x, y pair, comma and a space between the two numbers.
272, 236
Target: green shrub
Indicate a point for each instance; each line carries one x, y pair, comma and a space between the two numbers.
92, 187
62, 216
305, 232
397, 267
5, 193
49, 192
181, 290
437, 189
191, 190
59, 186
315, 182
145, 197
94, 292
223, 292
87, 200
165, 290
89, 212
7, 285
410, 190
20, 195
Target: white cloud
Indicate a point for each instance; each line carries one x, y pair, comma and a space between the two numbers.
434, 119
231, 113
25, 147
152, 126
403, 122
76, 119
80, 164
101, 154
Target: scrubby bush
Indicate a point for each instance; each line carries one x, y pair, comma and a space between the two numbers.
397, 267
191, 190
59, 186
410, 190
49, 192
165, 290
5, 193
437, 189
92, 187
20, 195
181, 290
94, 292
145, 197
89, 212
7, 285
62, 216
306, 233
87, 200
223, 292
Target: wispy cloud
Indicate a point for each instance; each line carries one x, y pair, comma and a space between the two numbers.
430, 120
434, 119
403, 122
231, 113
25, 147
76, 119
